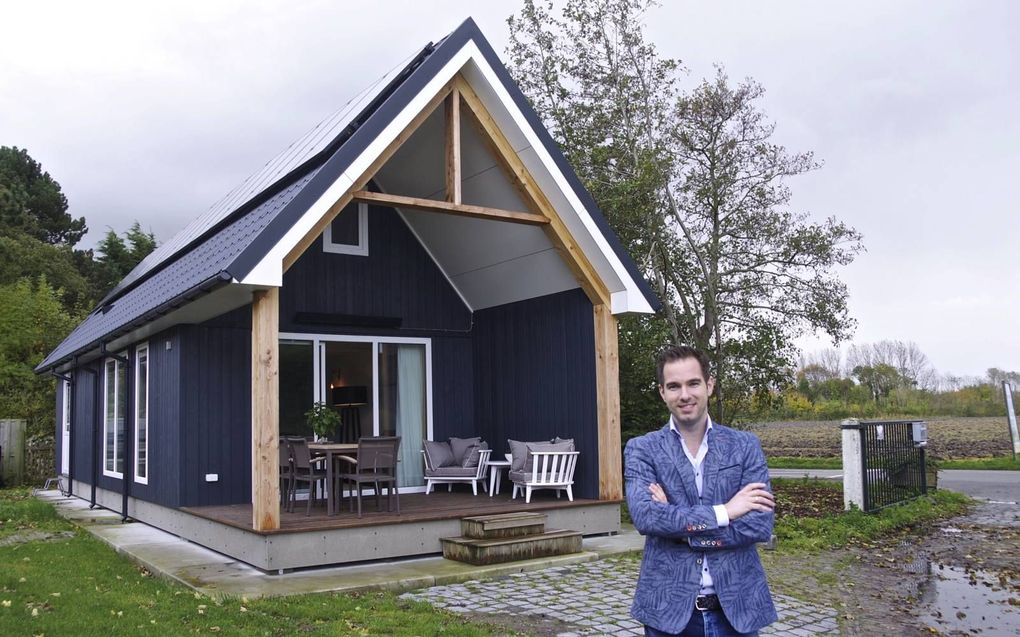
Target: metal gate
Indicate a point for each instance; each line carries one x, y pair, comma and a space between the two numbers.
893, 458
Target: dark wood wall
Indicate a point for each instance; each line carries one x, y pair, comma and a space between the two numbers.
397, 281
534, 377
215, 417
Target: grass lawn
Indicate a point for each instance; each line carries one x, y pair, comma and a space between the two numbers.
810, 515
57, 580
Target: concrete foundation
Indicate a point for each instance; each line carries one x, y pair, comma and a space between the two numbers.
302, 549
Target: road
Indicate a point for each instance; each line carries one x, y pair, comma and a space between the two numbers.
998, 486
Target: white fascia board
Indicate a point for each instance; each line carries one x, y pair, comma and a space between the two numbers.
269, 271
632, 300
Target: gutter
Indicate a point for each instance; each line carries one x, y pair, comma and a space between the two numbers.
214, 282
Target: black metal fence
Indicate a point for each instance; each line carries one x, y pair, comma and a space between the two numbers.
892, 454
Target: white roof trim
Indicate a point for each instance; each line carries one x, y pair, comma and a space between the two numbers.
269, 270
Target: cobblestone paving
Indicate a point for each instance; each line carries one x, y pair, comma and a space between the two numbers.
594, 598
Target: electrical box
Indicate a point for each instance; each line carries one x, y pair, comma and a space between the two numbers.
919, 433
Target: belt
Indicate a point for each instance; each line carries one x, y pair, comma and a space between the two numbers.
707, 602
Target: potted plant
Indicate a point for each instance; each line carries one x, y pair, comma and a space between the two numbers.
323, 419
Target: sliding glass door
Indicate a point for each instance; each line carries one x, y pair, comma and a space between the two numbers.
379, 387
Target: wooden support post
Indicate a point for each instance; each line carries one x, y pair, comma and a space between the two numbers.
265, 409
453, 178
607, 388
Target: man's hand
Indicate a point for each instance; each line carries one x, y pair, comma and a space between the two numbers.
753, 497
658, 495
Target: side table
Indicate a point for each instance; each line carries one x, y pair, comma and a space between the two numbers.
495, 470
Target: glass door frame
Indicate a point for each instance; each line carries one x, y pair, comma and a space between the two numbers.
319, 362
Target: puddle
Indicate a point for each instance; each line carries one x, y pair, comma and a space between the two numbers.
974, 602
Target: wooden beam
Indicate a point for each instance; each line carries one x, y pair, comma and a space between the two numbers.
526, 185
453, 175
370, 172
265, 409
607, 389
433, 205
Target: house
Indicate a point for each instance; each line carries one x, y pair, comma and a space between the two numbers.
426, 257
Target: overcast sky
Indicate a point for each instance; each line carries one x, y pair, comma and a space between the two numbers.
153, 111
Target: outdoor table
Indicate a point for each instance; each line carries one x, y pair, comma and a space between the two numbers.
331, 450
495, 469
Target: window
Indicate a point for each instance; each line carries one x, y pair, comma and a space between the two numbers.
348, 232
142, 414
114, 408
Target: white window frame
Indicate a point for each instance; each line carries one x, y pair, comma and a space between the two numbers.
112, 473
65, 428
140, 349
361, 249
319, 361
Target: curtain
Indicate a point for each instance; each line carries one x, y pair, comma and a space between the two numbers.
410, 413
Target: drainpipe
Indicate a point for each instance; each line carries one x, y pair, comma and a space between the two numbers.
125, 482
70, 416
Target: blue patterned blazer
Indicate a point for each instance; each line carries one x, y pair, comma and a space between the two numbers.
679, 534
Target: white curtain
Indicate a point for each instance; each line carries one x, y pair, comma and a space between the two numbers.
410, 413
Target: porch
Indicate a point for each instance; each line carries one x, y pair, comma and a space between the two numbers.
320, 539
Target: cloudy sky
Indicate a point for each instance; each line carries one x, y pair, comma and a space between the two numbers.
155, 112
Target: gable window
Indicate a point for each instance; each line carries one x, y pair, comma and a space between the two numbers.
142, 414
348, 232
114, 410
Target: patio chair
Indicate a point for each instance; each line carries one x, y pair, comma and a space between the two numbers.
286, 476
455, 461
545, 469
306, 469
376, 464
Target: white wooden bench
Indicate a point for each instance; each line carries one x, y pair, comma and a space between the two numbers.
549, 470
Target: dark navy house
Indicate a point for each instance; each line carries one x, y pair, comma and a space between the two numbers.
426, 252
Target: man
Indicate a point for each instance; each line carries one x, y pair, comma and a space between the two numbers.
700, 494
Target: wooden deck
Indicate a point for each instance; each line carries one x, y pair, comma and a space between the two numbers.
414, 507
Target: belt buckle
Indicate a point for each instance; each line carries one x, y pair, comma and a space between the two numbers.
697, 605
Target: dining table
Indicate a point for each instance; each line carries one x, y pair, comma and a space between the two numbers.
331, 452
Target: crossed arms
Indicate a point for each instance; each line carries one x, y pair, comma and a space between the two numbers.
659, 513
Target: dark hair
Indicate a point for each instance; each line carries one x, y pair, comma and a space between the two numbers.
680, 352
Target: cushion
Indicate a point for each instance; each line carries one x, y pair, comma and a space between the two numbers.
439, 454
557, 439
452, 472
471, 456
567, 445
518, 454
459, 445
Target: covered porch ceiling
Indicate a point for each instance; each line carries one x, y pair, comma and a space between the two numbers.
490, 262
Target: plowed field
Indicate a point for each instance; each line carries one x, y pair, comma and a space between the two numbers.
948, 438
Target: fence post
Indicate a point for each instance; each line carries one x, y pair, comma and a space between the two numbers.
853, 465
12, 440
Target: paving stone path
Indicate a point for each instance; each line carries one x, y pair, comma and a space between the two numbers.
594, 598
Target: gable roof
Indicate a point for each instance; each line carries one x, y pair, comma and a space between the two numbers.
242, 238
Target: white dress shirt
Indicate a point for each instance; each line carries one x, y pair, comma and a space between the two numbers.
721, 517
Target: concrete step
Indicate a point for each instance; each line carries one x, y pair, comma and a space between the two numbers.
502, 525
481, 552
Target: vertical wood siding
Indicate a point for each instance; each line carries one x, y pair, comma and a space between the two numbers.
453, 412
534, 371
215, 419
397, 279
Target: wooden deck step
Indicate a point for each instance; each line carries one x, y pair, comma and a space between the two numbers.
510, 549
503, 525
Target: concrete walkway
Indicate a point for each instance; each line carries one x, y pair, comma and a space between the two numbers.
584, 593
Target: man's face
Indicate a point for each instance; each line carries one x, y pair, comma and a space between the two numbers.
686, 392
